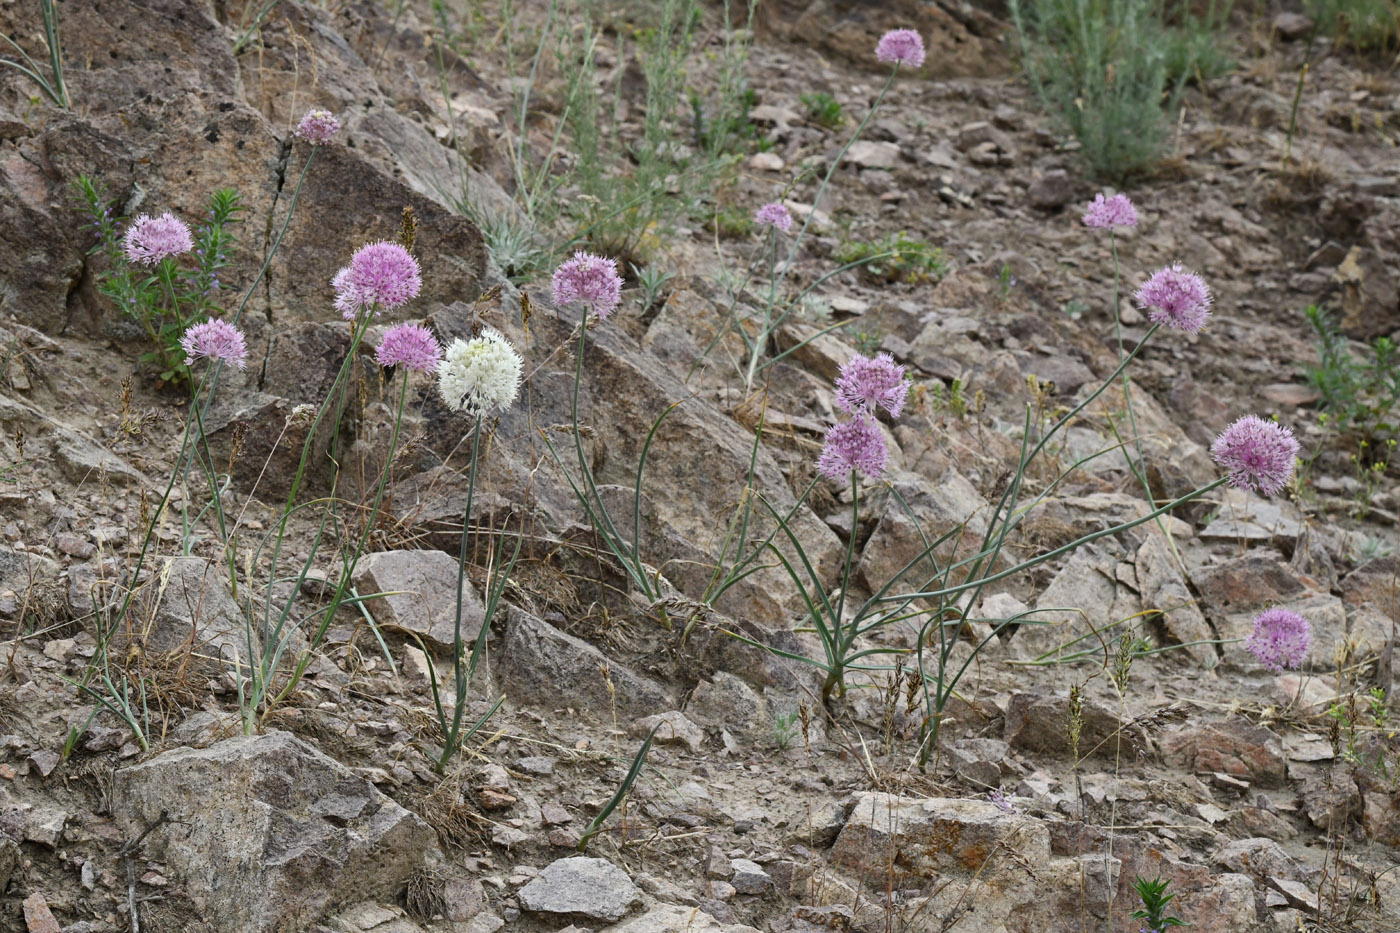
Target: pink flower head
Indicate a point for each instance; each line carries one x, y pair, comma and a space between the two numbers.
318, 126
865, 384
774, 215
901, 47
853, 445
1116, 211
380, 275
411, 345
591, 281
1259, 454
1176, 298
1280, 639
215, 340
150, 239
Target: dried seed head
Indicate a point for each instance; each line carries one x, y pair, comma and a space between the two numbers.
1076, 718
408, 228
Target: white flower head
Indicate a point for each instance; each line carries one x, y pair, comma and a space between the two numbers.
480, 375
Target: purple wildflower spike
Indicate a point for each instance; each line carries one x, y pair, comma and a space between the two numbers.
1116, 211
901, 47
318, 126
853, 445
411, 345
590, 280
150, 239
1176, 298
865, 384
215, 340
380, 275
1280, 639
1259, 454
774, 215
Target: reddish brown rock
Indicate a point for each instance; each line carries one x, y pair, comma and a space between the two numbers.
1235, 747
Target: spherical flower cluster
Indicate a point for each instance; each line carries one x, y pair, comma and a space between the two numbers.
150, 239
411, 345
318, 126
1176, 298
853, 445
865, 384
901, 47
1116, 211
380, 275
590, 280
1280, 639
215, 340
1259, 454
480, 375
774, 215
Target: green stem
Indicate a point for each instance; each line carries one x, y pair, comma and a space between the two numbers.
459, 677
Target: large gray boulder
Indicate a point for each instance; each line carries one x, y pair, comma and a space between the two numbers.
266, 834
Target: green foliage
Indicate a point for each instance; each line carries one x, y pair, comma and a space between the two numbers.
56, 90
1359, 394
733, 223
1102, 67
785, 729
1364, 25
1193, 39
512, 242
167, 298
627, 194
630, 778
823, 109
653, 279
1154, 905
898, 258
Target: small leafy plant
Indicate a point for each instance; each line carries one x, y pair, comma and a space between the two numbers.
1360, 395
785, 729
167, 296
1102, 67
823, 109
899, 258
1364, 25
1154, 905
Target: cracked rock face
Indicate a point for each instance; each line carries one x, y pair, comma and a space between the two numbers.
266, 834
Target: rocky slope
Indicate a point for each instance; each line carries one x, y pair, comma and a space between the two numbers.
759, 807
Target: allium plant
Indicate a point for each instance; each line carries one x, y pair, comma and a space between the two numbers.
901, 47
867, 383
318, 127
186, 286
1259, 454
479, 377
1280, 639
380, 276
215, 340
1176, 298
150, 239
935, 591
774, 215
1107, 213
591, 281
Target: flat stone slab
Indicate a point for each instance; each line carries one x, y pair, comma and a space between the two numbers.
581, 887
